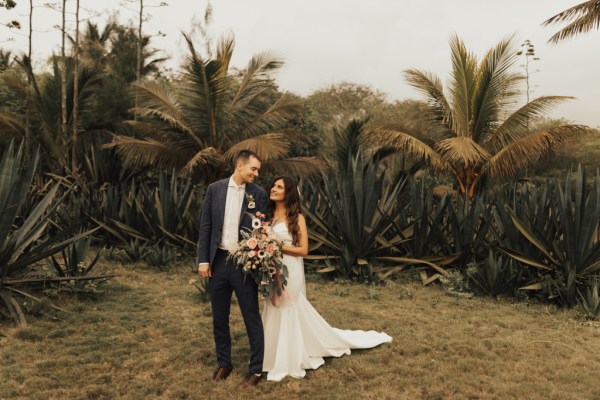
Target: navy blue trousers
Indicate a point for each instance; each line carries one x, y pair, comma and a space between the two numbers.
226, 279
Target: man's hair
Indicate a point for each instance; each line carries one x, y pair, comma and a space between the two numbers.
244, 156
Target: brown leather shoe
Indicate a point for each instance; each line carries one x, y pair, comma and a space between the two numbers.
250, 380
222, 373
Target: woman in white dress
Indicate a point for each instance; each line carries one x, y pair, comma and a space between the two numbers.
296, 336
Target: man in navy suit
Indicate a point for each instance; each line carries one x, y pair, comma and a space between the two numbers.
226, 207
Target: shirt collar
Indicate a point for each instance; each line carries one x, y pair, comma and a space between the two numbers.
235, 185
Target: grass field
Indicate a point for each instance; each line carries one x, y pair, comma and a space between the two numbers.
148, 336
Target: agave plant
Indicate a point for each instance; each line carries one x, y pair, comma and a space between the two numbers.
167, 212
591, 299
494, 276
357, 206
568, 244
24, 239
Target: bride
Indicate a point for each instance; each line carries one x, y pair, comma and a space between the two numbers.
296, 336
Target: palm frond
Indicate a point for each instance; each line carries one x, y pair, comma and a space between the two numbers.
495, 88
275, 117
390, 136
207, 156
431, 86
464, 68
515, 126
255, 75
461, 150
147, 152
158, 101
268, 146
297, 166
225, 52
529, 149
205, 83
164, 133
584, 16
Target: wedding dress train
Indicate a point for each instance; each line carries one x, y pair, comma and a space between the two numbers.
296, 336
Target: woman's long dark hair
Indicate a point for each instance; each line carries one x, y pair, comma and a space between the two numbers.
292, 206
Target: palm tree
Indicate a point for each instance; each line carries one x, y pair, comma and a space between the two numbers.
483, 137
583, 18
202, 121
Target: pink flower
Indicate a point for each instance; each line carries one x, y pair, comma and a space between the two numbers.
251, 253
251, 243
270, 248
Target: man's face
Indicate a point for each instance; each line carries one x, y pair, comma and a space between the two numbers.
249, 171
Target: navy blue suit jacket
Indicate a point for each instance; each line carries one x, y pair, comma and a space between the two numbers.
213, 215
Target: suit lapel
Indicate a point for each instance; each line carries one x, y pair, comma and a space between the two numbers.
221, 199
244, 205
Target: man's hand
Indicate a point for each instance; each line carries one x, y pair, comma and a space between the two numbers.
204, 271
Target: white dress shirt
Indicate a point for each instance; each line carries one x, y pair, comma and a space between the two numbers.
231, 221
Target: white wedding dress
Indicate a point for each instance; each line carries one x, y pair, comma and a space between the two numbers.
296, 336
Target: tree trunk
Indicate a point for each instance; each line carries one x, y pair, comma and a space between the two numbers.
29, 81
138, 71
75, 90
63, 75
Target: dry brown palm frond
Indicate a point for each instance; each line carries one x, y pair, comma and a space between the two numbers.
515, 126
585, 17
461, 151
207, 156
147, 152
269, 146
529, 149
297, 166
12, 124
390, 136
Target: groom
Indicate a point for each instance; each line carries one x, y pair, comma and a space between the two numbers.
224, 214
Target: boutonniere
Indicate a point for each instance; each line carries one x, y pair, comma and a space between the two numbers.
250, 200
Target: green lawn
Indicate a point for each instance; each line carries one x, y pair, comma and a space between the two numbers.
148, 336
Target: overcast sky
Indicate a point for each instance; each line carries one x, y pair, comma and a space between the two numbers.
369, 42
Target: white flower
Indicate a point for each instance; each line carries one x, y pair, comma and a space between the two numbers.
256, 223
251, 205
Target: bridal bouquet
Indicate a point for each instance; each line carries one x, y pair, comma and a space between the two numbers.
259, 254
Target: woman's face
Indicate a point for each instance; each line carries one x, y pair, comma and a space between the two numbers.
277, 192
